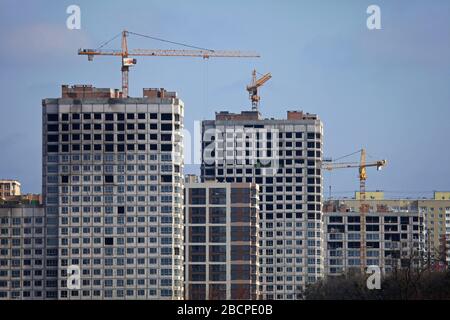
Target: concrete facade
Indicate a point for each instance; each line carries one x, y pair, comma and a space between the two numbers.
394, 239
284, 158
221, 241
23, 252
112, 187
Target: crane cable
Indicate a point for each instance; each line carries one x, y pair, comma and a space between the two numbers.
168, 41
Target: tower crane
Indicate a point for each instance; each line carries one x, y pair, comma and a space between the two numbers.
128, 62
364, 207
253, 88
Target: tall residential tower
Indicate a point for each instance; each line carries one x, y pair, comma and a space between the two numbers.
112, 186
284, 158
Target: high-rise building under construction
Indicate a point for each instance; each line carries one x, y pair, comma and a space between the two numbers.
284, 158
112, 187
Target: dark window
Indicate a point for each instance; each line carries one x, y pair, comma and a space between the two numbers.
141, 126
109, 241
109, 148
97, 116
75, 126
141, 147
166, 178
166, 127
153, 136
109, 137
52, 138
130, 116
166, 116
65, 117
141, 116
52, 127
76, 137
52, 148
109, 117
120, 117
153, 116
109, 127
97, 126
166, 147
120, 127
86, 116
130, 147
75, 116
86, 137
64, 179
86, 126
65, 148
120, 209
52, 117
120, 148
109, 179
130, 126
153, 126
166, 137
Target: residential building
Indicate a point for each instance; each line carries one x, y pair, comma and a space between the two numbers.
221, 241
9, 188
22, 252
394, 238
112, 187
284, 158
433, 210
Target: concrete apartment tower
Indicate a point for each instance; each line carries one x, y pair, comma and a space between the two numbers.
112, 187
395, 236
284, 158
221, 241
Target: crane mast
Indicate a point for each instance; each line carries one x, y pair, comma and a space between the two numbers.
128, 62
364, 207
253, 88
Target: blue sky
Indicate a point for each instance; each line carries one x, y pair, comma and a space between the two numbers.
386, 90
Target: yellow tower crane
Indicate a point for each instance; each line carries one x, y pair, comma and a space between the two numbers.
364, 207
128, 62
253, 88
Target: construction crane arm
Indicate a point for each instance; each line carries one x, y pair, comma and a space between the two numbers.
127, 62
171, 53
342, 165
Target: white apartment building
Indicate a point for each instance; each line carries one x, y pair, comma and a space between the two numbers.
112, 186
22, 252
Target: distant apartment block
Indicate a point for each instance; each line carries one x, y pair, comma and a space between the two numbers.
23, 252
112, 187
282, 156
435, 212
395, 238
221, 241
9, 188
